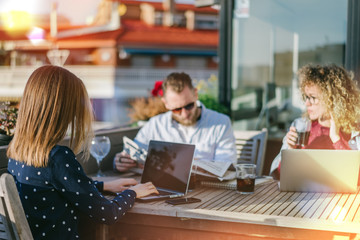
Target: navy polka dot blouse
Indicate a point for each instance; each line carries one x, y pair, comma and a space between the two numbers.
53, 196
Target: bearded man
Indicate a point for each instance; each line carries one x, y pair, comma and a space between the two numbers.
187, 121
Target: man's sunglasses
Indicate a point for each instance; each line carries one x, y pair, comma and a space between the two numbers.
186, 107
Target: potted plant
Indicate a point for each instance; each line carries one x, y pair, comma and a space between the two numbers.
8, 117
146, 107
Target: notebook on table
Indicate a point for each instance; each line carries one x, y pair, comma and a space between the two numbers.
315, 170
231, 184
168, 166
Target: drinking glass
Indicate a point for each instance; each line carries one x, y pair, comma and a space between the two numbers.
100, 147
303, 126
245, 178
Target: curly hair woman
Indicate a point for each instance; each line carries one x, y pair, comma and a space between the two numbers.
332, 101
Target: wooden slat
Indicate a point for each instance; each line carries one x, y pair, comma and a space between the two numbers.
4, 230
215, 200
299, 207
15, 211
292, 204
249, 198
275, 203
339, 210
244, 141
315, 205
283, 203
199, 192
357, 216
355, 206
256, 201
211, 194
4, 235
219, 199
348, 205
5, 221
323, 206
330, 207
231, 198
266, 202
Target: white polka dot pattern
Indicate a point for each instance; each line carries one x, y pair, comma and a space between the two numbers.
41, 188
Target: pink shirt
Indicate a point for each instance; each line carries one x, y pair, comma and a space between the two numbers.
319, 138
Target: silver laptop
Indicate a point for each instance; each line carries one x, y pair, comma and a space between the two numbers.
168, 166
314, 170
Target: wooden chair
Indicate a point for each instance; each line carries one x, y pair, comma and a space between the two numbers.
250, 148
13, 223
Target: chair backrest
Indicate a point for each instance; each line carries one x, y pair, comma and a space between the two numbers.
3, 159
13, 220
250, 148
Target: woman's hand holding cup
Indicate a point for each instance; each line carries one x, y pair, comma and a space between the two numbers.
302, 127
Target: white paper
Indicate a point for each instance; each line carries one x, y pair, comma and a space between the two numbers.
216, 168
136, 153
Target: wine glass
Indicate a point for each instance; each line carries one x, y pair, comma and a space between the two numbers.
100, 147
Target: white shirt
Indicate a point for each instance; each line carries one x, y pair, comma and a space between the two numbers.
212, 135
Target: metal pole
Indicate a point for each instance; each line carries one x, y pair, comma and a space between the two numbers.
225, 52
352, 50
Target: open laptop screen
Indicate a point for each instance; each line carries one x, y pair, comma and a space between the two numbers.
168, 165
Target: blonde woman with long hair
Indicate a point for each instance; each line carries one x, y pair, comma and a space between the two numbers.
52, 185
332, 101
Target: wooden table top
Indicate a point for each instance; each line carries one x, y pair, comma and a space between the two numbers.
267, 206
336, 212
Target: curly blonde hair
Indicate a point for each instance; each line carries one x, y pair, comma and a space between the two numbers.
339, 93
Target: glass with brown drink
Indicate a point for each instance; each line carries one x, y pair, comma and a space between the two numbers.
303, 126
245, 178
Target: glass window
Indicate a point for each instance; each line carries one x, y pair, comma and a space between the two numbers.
142, 61
183, 62
270, 42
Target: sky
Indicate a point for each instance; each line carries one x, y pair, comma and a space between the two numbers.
77, 11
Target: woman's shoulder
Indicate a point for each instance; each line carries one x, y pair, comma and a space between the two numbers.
60, 150
60, 154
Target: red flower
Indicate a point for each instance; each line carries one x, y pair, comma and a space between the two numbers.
157, 90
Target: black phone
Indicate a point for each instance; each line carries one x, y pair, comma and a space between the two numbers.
178, 201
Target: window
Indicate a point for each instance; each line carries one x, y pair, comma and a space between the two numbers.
141, 61
269, 45
191, 62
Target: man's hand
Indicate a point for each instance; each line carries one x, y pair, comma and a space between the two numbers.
123, 162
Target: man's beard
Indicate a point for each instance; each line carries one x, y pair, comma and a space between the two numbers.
188, 122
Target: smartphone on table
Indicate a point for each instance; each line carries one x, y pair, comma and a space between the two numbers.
178, 201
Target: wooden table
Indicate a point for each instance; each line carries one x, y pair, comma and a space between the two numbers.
225, 214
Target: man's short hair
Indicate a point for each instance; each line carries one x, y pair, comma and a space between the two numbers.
177, 82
